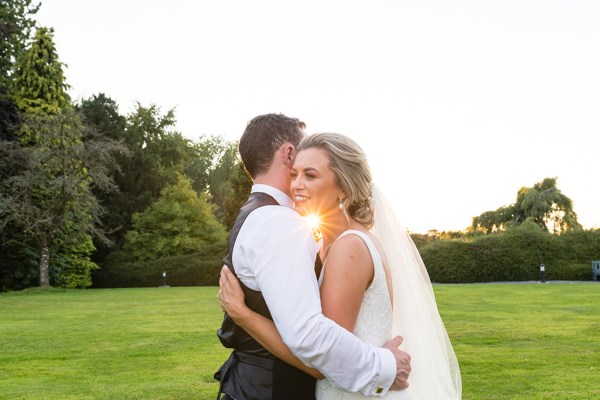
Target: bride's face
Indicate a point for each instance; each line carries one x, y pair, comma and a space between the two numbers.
314, 189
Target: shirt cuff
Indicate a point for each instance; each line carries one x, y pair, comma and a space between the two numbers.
388, 372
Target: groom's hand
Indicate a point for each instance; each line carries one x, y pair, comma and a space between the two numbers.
402, 363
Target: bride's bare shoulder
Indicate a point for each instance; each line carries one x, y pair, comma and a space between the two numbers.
350, 249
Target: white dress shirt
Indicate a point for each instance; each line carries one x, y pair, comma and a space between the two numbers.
275, 253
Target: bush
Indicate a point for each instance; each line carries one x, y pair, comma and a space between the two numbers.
513, 255
449, 261
196, 269
570, 272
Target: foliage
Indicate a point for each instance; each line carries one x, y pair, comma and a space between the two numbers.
240, 185
157, 156
48, 194
19, 260
218, 170
102, 113
9, 118
179, 222
449, 261
15, 29
72, 266
39, 78
208, 151
513, 255
544, 204
220, 178
422, 240
194, 269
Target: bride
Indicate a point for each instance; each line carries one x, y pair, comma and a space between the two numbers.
373, 281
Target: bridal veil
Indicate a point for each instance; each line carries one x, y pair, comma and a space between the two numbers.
435, 372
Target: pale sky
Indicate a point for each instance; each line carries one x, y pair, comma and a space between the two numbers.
458, 104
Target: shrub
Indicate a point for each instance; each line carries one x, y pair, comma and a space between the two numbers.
196, 269
513, 255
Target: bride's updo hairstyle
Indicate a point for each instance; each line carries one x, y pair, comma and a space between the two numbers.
348, 162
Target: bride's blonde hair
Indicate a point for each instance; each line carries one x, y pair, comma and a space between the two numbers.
349, 163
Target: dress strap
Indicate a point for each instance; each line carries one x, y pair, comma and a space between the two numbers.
377, 262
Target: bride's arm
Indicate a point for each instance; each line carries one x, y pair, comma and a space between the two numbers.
348, 273
262, 329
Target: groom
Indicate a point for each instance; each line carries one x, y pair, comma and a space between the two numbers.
272, 253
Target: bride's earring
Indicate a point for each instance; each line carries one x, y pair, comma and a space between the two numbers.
343, 210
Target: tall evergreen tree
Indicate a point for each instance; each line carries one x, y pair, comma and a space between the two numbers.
16, 25
39, 78
51, 198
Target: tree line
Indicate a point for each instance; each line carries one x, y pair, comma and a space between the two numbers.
91, 196
81, 184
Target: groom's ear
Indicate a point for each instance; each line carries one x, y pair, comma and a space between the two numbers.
289, 154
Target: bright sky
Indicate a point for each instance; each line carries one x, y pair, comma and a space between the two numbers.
458, 104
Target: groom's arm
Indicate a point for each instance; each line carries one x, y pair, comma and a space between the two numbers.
283, 264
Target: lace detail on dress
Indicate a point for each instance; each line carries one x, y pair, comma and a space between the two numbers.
373, 324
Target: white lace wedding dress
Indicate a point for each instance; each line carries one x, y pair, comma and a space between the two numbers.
373, 325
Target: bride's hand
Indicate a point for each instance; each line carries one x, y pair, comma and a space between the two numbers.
403, 367
231, 295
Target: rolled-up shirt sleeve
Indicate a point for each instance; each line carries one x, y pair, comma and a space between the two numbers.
282, 255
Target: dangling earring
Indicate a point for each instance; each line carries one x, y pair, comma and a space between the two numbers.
343, 209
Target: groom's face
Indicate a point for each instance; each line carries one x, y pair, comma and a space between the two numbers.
314, 189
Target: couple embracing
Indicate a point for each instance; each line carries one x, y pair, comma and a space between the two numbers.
323, 319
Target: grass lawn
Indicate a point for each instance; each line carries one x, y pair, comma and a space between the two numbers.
512, 342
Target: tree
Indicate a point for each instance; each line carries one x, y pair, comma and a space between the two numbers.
208, 151
217, 170
50, 194
16, 25
543, 204
493, 221
49, 197
17, 262
157, 156
18, 259
9, 118
39, 78
101, 113
179, 222
240, 184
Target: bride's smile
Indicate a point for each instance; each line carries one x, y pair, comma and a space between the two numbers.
314, 187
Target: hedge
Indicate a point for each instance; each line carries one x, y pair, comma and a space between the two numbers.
514, 255
196, 269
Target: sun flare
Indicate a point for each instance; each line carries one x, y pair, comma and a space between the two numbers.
314, 223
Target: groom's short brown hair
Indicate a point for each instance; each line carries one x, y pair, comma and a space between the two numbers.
262, 137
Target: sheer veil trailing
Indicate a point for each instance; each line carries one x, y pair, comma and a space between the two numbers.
435, 372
